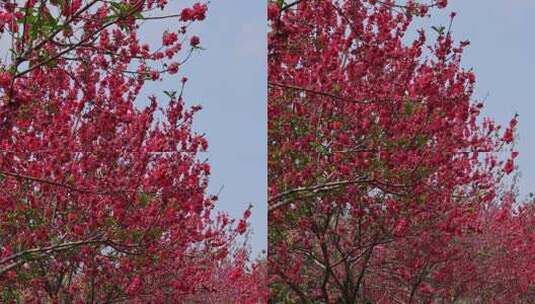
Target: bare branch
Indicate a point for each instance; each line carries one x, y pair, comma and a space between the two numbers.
297, 88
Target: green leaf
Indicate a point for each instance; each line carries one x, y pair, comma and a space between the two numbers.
440, 30
13, 70
170, 94
420, 141
322, 149
144, 199
116, 7
409, 108
121, 9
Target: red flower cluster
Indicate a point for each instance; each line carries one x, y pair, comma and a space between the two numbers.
196, 13
169, 38
195, 41
5, 79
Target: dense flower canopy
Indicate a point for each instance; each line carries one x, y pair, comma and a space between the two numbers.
102, 201
383, 179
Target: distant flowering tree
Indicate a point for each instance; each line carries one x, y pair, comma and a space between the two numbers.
382, 177
236, 281
103, 202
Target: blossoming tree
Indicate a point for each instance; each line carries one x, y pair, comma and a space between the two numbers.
102, 201
382, 176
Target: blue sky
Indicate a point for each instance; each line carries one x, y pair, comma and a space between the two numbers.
229, 80
501, 54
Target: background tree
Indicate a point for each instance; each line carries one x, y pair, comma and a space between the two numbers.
102, 201
382, 176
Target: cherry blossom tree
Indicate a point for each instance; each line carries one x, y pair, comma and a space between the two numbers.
102, 201
382, 174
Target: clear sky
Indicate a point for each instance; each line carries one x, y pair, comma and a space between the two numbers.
229, 80
502, 55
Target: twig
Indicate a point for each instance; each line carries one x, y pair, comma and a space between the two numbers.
297, 88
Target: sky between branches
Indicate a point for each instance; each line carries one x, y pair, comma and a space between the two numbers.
229, 80
502, 55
